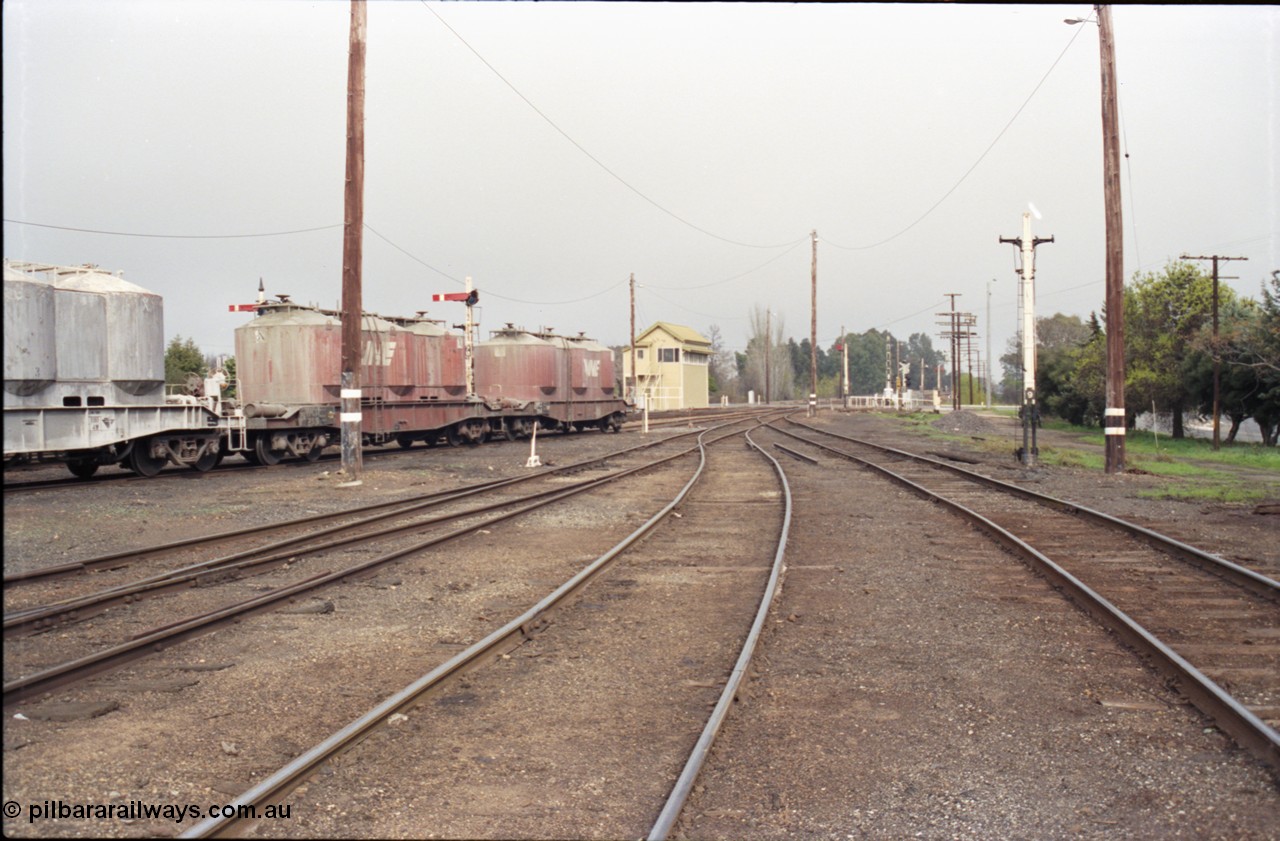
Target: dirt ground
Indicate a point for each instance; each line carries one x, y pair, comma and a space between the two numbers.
916, 683
913, 681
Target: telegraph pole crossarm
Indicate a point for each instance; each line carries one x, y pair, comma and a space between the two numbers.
1217, 354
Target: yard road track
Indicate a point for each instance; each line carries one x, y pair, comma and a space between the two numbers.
1213, 626
584, 727
622, 662
262, 579
918, 681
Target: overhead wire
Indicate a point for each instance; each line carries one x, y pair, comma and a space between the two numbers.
912, 315
980, 159
789, 246
793, 247
1128, 165
557, 303
583, 149
171, 236
694, 312
413, 257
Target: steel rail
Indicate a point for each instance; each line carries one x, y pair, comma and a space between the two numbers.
795, 454
447, 495
159, 638
169, 472
129, 554
1251, 580
702, 419
684, 784
16, 620
1232, 717
512, 634
39, 617
177, 473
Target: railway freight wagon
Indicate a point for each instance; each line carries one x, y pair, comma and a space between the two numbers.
413, 383
84, 376
289, 367
561, 382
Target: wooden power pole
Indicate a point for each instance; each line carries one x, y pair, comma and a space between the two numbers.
352, 250
768, 363
635, 372
954, 335
1217, 353
1114, 421
813, 329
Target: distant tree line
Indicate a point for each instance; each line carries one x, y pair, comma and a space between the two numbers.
1169, 355
789, 367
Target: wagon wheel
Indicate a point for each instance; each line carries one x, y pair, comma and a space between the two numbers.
405, 439
207, 462
263, 454
509, 430
142, 462
313, 454
454, 436
83, 468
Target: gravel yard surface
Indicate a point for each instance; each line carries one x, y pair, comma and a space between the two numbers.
913, 681
917, 683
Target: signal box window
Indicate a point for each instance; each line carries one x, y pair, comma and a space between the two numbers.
668, 354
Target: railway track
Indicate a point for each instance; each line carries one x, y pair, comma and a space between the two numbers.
905, 668
546, 703
290, 568
1211, 625
358, 515
45, 481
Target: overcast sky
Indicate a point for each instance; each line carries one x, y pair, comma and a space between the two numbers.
550, 150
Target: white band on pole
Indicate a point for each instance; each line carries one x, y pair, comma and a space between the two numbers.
1114, 430
350, 417
355, 392
1114, 413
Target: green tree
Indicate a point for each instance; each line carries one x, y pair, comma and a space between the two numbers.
802, 368
920, 347
1072, 376
230, 368
1058, 338
1163, 315
1263, 348
1250, 348
866, 362
1060, 349
182, 357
